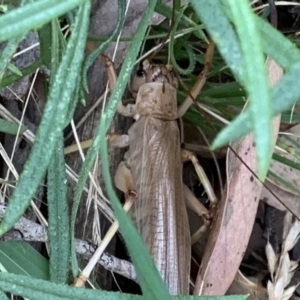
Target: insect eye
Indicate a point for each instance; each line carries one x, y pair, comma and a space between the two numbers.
140, 73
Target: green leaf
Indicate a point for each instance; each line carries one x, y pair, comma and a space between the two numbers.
58, 208
276, 45
53, 121
45, 38
35, 289
103, 46
214, 18
3, 296
20, 258
231, 89
26, 71
166, 11
10, 127
7, 54
33, 15
256, 81
284, 95
247, 66
11, 67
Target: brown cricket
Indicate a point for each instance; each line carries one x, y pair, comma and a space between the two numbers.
153, 169
154, 159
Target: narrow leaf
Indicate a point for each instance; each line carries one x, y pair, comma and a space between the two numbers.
284, 95
256, 82
20, 258
14, 77
10, 127
52, 124
35, 289
33, 15
7, 53
103, 46
213, 16
59, 231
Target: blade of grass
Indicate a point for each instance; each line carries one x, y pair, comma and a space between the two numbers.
95, 54
52, 123
20, 258
30, 16
7, 53
166, 11
276, 45
11, 127
58, 209
36, 289
256, 81
284, 95
26, 71
214, 18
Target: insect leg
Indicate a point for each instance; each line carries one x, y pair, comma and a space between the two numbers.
129, 110
115, 140
123, 179
187, 155
193, 203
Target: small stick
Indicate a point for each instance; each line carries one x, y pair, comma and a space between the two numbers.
84, 275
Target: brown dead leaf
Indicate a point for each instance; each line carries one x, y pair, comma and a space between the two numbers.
235, 217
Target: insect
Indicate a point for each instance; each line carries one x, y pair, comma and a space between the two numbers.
153, 169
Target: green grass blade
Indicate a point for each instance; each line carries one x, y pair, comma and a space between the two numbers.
14, 77
36, 289
13, 69
31, 16
52, 123
256, 81
10, 127
188, 49
20, 258
103, 46
166, 11
284, 95
3, 296
276, 45
45, 38
58, 210
7, 54
214, 18
247, 66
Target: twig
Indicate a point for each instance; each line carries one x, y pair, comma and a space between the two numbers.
30, 231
